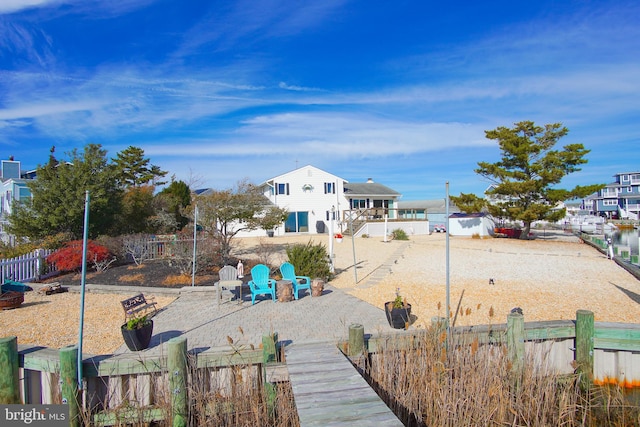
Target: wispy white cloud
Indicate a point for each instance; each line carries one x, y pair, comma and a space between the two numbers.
11, 6
283, 85
251, 22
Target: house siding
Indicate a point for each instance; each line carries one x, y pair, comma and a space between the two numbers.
312, 192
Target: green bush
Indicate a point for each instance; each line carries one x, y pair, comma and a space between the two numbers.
399, 234
310, 260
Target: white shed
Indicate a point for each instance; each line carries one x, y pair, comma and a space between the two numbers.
463, 224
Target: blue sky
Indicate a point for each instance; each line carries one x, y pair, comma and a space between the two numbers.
400, 92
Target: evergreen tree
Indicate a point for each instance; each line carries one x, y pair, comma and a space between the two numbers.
172, 200
58, 197
525, 177
134, 170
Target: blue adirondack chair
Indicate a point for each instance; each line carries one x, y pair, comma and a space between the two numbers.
261, 284
299, 282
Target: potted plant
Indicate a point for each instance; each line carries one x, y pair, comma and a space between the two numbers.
338, 237
137, 332
398, 312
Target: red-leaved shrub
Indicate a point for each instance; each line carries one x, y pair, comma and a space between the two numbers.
69, 257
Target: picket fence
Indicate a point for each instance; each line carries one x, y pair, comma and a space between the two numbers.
28, 267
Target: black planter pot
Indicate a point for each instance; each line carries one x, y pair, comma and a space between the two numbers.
269, 233
398, 318
137, 339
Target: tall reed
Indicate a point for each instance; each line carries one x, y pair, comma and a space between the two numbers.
476, 385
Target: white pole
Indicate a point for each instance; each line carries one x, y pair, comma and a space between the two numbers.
83, 282
385, 228
195, 229
331, 266
353, 249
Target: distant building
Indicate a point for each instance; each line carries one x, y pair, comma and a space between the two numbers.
432, 210
618, 200
13, 188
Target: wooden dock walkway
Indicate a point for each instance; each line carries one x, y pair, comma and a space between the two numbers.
329, 391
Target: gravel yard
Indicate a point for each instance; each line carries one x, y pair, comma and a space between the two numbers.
548, 278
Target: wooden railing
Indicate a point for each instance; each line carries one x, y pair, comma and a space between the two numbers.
608, 353
155, 387
379, 214
118, 389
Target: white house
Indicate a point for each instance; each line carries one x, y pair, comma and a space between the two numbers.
317, 200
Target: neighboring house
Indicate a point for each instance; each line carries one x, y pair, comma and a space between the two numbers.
14, 188
618, 200
432, 210
318, 201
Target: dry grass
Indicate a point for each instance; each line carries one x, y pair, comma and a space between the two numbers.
183, 280
139, 278
221, 396
475, 384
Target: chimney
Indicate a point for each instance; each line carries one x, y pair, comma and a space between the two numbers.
369, 181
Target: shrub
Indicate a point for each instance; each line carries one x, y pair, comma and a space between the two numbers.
16, 251
310, 260
69, 257
399, 234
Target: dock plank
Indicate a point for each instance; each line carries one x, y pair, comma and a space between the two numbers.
329, 391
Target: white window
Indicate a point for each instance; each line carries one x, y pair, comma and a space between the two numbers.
609, 202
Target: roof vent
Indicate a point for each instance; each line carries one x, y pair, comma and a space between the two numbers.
369, 181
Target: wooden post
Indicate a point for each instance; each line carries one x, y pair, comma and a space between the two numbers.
584, 346
269, 355
69, 383
515, 344
177, 366
9, 378
356, 339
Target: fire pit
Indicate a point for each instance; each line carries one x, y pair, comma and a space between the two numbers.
11, 299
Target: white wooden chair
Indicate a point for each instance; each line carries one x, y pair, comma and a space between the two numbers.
228, 277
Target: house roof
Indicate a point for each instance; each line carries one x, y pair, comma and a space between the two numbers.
313, 168
369, 189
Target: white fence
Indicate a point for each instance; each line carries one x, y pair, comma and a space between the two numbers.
27, 268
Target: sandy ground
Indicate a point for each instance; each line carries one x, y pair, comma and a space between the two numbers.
550, 278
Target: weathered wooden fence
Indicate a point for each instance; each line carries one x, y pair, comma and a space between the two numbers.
608, 353
138, 387
121, 389
28, 267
